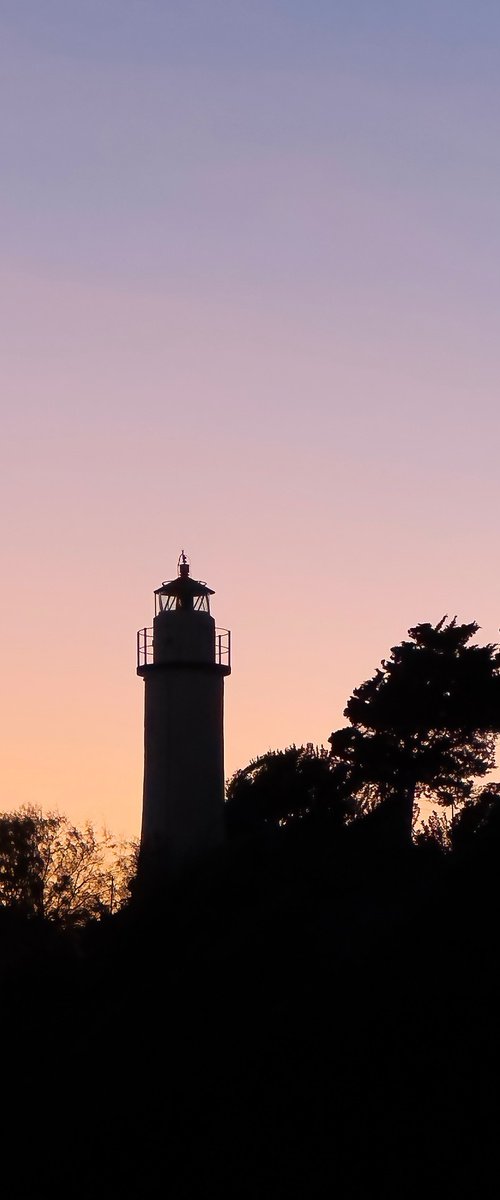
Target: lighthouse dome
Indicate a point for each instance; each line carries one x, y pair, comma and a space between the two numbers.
183, 592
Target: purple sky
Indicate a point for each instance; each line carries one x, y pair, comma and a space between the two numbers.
250, 305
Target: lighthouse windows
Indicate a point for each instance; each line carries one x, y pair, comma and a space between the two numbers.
166, 602
200, 604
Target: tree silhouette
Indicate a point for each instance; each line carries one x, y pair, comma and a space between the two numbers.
49, 868
478, 822
425, 723
285, 786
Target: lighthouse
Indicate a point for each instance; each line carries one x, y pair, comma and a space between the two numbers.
183, 660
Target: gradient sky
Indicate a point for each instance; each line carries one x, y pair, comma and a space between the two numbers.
250, 307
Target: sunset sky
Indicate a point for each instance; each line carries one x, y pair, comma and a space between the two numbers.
250, 308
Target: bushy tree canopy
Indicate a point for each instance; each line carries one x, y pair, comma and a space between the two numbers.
283, 786
426, 722
49, 868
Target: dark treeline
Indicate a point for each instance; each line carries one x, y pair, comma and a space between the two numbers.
315, 1008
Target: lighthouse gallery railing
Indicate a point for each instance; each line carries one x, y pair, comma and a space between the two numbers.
145, 655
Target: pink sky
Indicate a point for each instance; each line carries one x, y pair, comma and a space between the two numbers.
249, 307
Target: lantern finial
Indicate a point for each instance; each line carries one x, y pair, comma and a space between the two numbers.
183, 566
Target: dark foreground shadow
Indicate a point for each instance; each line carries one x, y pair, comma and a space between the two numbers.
308, 1016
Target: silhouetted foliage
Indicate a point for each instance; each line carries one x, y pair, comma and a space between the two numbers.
435, 832
478, 821
348, 1011
51, 869
285, 786
474, 826
425, 723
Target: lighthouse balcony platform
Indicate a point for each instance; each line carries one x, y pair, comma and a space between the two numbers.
221, 650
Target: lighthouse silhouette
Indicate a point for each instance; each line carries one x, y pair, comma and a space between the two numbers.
183, 660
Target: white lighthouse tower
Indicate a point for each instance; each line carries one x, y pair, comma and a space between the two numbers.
183, 660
